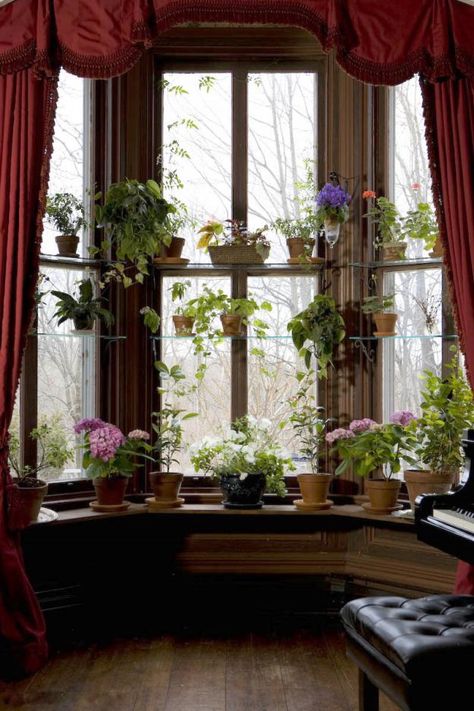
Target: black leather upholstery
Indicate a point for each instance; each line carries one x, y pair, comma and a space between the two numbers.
425, 646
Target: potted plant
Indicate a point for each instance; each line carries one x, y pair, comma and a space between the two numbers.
185, 314
246, 460
376, 449
299, 234
390, 234
447, 409
66, 212
83, 310
176, 221
379, 307
332, 209
233, 313
316, 331
168, 428
421, 224
310, 429
109, 460
134, 216
29, 489
232, 243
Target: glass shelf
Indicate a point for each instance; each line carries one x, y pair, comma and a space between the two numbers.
450, 336
57, 259
265, 266
80, 334
420, 261
219, 338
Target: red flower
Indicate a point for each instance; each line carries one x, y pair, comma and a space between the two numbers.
415, 186
368, 194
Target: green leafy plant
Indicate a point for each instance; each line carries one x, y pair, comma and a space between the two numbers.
84, 309
316, 331
387, 218
368, 446
421, 224
304, 224
134, 215
378, 304
178, 292
232, 233
54, 450
168, 422
66, 212
151, 318
447, 409
178, 219
247, 447
307, 420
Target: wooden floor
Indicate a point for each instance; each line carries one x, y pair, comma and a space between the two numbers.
280, 665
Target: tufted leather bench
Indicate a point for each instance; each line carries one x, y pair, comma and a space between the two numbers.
419, 652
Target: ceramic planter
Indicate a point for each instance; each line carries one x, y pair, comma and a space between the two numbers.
83, 323
425, 482
26, 503
231, 324
165, 486
175, 248
67, 245
243, 493
393, 251
383, 495
183, 325
314, 491
110, 491
385, 324
299, 247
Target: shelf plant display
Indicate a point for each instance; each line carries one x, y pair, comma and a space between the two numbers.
310, 426
246, 460
177, 220
332, 209
300, 237
66, 213
134, 216
390, 234
374, 449
230, 242
379, 307
168, 428
447, 409
84, 309
109, 459
421, 224
317, 331
54, 451
185, 314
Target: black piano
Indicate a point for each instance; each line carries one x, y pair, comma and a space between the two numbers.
446, 521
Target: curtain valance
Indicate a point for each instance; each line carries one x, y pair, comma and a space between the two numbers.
377, 42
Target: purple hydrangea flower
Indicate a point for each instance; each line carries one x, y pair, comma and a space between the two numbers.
88, 424
105, 441
339, 433
358, 426
332, 196
402, 417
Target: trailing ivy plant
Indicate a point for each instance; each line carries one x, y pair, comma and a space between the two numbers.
317, 331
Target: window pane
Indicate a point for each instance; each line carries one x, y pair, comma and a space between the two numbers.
211, 398
282, 141
272, 373
67, 170
197, 145
418, 304
66, 368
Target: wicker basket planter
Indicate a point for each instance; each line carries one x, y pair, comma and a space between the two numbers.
238, 254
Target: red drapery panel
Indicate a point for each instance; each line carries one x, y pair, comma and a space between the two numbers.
379, 42
27, 107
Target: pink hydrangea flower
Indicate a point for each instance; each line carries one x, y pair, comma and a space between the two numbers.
339, 433
402, 417
88, 424
138, 434
358, 426
105, 441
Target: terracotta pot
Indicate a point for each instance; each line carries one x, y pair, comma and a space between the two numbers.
110, 491
183, 325
231, 324
67, 245
385, 324
394, 251
425, 482
26, 503
298, 247
383, 495
314, 487
437, 251
174, 249
166, 486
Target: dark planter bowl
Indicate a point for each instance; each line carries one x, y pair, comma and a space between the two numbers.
83, 323
243, 493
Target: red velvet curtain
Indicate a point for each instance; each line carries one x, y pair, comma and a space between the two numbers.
449, 116
27, 106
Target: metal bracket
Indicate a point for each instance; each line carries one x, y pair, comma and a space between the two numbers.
368, 352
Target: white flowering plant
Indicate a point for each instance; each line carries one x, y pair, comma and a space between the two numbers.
247, 447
